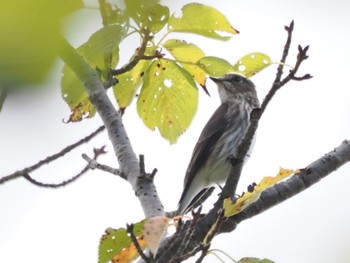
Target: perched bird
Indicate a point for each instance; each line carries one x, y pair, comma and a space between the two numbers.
219, 139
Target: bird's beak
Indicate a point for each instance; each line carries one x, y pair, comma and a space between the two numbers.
216, 80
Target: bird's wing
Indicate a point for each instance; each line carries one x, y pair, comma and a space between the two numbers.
208, 138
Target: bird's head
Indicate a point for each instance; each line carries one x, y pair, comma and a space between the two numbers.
234, 86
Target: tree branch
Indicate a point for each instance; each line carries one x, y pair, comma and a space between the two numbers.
47, 160
97, 153
128, 162
269, 198
299, 182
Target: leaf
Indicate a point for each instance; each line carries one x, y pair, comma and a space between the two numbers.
250, 197
254, 260
203, 20
113, 14
168, 99
149, 14
73, 92
29, 33
215, 66
102, 48
102, 52
154, 230
130, 253
252, 63
187, 52
129, 82
115, 240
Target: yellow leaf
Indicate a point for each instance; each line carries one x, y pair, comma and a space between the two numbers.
168, 99
130, 253
203, 20
250, 197
187, 54
252, 63
215, 66
129, 82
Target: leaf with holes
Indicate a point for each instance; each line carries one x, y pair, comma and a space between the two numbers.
148, 14
187, 54
129, 82
215, 66
115, 241
252, 63
168, 99
203, 20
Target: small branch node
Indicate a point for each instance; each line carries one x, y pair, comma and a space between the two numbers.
142, 164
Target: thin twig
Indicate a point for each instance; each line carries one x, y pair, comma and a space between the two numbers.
51, 158
130, 229
210, 235
205, 223
278, 83
139, 56
97, 153
93, 164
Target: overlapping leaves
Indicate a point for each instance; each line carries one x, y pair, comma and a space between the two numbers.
168, 98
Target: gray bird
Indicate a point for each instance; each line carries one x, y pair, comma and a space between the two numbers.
219, 139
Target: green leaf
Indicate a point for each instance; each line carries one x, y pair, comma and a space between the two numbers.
102, 52
115, 240
187, 52
252, 63
102, 48
70, 6
215, 66
148, 13
29, 33
168, 99
129, 82
254, 260
203, 20
73, 92
112, 14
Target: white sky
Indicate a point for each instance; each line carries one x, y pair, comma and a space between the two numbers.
304, 121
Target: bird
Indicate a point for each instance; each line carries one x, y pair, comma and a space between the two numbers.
210, 162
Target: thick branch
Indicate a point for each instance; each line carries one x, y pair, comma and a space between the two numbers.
128, 162
269, 198
299, 182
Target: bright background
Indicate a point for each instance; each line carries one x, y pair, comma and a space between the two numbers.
304, 121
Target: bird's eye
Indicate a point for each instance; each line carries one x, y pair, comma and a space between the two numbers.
237, 79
